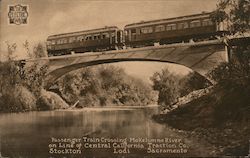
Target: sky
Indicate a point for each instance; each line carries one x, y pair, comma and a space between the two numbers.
47, 17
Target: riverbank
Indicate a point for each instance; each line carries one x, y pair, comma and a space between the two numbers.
219, 118
20, 99
108, 108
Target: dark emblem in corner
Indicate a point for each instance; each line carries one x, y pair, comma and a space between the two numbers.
18, 14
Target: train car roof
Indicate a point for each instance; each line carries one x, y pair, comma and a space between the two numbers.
162, 21
91, 31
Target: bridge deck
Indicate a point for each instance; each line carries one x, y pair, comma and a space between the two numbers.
175, 45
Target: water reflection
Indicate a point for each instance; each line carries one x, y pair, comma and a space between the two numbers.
27, 134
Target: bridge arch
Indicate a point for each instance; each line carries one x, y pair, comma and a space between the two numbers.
200, 57
53, 76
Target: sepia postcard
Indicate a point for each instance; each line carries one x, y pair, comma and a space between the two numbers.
124, 78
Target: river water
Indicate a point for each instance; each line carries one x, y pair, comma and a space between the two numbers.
30, 134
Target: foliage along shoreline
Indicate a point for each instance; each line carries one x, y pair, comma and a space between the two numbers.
221, 117
104, 85
22, 88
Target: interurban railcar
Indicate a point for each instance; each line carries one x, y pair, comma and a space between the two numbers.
106, 38
172, 30
164, 31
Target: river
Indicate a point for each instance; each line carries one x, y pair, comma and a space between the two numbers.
30, 134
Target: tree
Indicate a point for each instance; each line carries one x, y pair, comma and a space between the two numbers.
39, 50
11, 48
10, 71
33, 77
14, 96
237, 71
240, 15
103, 86
27, 48
236, 12
33, 74
168, 86
234, 73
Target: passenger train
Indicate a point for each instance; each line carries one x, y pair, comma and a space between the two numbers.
146, 33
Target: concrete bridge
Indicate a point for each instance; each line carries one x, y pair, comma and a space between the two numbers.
200, 57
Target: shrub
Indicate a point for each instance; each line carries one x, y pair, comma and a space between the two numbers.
17, 98
50, 101
236, 72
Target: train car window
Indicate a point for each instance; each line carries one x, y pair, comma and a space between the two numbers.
159, 28
198, 24
143, 30
105, 35
195, 23
147, 30
150, 29
181, 26
185, 25
58, 41
210, 22
64, 40
168, 28
125, 32
72, 39
205, 22
96, 36
133, 30
87, 38
171, 27
138, 31
80, 38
